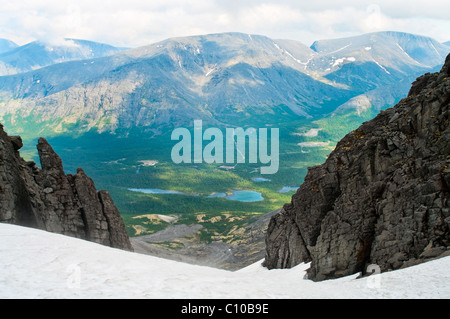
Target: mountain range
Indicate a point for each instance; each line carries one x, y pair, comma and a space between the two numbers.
228, 78
35, 55
59, 267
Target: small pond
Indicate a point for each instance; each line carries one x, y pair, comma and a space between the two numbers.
237, 195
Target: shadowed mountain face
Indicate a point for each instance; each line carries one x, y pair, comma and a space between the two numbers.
382, 196
229, 78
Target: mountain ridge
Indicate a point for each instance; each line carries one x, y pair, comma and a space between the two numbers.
219, 78
38, 54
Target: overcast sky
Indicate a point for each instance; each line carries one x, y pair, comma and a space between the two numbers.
133, 23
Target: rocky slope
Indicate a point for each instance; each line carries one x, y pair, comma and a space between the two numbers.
181, 243
382, 197
48, 199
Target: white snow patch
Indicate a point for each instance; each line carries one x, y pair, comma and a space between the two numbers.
368, 48
343, 48
211, 70
39, 264
295, 59
436, 49
292, 57
381, 66
342, 60
411, 56
403, 50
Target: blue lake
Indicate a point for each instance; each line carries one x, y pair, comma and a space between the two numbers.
237, 195
261, 179
286, 189
245, 196
154, 191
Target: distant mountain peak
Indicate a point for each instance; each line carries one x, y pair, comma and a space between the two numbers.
7, 45
390, 50
42, 53
220, 78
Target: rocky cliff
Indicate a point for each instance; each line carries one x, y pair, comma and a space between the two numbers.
382, 196
48, 199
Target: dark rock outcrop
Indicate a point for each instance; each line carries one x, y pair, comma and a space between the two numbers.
48, 199
382, 197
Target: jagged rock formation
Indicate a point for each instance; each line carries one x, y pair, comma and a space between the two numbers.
382, 196
48, 199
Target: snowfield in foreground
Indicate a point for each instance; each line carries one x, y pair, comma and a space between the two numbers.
39, 264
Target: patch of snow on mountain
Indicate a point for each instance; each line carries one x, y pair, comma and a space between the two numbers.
381, 66
340, 49
342, 60
39, 264
435, 49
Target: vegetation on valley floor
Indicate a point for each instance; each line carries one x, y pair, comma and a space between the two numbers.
115, 163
